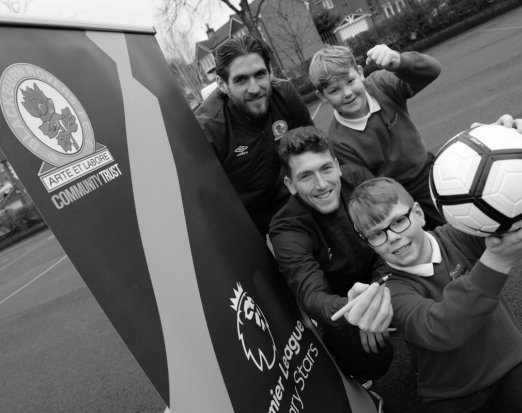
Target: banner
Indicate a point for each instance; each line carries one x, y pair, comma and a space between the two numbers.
104, 142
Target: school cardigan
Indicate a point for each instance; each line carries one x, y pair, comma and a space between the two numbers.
462, 335
390, 145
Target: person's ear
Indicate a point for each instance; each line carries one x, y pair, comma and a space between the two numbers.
290, 185
321, 97
420, 213
338, 166
222, 85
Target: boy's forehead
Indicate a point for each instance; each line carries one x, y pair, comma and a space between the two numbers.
397, 210
344, 73
341, 77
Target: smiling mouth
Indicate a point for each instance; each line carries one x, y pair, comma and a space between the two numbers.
402, 250
324, 195
257, 99
350, 101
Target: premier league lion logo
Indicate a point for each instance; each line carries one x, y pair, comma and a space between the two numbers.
253, 331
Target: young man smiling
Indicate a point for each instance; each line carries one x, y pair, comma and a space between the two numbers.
445, 286
244, 119
323, 262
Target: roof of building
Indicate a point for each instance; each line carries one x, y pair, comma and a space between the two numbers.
233, 25
220, 35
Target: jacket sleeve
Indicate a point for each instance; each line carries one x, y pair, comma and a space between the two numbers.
416, 71
467, 302
211, 120
293, 249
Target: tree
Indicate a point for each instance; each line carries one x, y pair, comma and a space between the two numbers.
291, 32
325, 21
176, 44
16, 6
189, 76
172, 11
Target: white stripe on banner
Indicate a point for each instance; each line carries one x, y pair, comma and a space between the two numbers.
195, 380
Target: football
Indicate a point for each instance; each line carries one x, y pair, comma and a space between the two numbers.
476, 180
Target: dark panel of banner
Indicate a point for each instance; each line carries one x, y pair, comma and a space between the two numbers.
53, 82
101, 136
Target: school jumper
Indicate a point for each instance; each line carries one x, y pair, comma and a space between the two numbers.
390, 145
462, 334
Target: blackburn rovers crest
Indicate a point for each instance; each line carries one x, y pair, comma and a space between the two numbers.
48, 119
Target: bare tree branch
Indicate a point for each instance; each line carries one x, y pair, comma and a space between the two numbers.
292, 32
16, 6
175, 13
231, 6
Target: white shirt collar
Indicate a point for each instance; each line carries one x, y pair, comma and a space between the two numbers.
359, 123
423, 270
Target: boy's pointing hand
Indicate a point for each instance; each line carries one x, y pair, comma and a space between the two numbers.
384, 57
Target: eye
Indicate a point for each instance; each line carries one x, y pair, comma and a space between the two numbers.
239, 80
261, 74
401, 220
304, 176
375, 235
327, 168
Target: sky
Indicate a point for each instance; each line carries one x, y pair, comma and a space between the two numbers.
126, 12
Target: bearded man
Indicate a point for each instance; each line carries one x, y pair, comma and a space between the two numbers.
244, 118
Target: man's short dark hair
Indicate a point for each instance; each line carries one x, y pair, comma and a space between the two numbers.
236, 47
300, 140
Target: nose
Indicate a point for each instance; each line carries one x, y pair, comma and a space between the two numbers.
320, 182
392, 236
253, 86
347, 90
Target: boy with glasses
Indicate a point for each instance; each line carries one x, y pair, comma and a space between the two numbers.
445, 287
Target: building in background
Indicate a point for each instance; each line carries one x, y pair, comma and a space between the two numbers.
287, 28
357, 16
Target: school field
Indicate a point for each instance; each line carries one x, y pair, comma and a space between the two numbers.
59, 352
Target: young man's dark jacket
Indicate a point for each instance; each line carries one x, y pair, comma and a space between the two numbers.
247, 148
321, 256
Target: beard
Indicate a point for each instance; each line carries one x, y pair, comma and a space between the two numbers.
253, 110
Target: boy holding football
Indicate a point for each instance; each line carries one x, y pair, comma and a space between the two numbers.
445, 290
371, 126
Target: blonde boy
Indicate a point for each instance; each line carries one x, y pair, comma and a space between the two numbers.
445, 289
371, 126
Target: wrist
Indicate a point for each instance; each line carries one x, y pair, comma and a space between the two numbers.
397, 64
497, 262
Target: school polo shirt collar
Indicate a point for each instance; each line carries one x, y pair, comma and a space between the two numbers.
360, 123
423, 270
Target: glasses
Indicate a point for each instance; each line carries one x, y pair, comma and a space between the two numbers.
399, 224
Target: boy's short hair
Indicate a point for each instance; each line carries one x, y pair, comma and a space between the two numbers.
330, 63
300, 140
237, 47
372, 201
